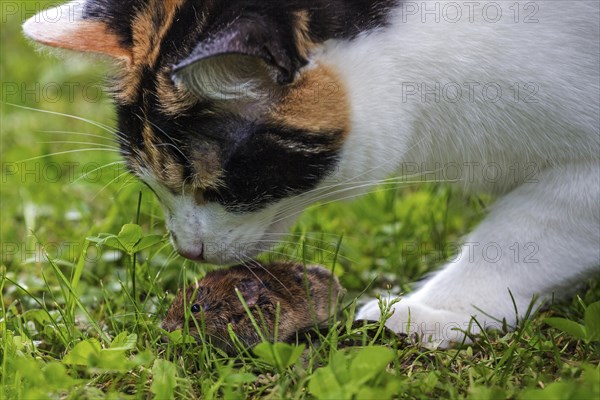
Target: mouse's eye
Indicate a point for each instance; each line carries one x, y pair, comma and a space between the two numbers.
235, 319
196, 308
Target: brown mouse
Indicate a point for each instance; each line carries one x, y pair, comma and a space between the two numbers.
307, 297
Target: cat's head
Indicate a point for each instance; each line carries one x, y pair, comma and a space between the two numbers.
221, 111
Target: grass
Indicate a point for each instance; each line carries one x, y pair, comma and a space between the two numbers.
73, 327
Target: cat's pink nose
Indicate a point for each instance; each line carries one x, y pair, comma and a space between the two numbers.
192, 254
195, 253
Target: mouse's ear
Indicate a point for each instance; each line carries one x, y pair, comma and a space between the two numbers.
249, 288
69, 27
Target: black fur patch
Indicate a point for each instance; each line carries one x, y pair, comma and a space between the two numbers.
267, 163
344, 19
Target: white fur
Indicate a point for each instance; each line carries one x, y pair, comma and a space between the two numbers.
546, 152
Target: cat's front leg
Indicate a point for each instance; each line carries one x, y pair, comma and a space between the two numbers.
540, 240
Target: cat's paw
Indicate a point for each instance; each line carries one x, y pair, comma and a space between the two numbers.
432, 327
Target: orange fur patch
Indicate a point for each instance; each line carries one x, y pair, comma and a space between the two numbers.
302, 33
147, 36
316, 102
164, 168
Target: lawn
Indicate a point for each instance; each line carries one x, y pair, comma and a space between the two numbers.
72, 325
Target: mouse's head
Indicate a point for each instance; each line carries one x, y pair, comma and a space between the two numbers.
212, 304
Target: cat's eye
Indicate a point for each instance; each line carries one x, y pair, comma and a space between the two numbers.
196, 308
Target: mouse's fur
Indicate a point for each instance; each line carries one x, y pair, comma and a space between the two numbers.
306, 296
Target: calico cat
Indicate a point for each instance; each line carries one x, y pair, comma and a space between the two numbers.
238, 114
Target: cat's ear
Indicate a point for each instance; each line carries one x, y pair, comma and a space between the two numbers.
64, 27
250, 54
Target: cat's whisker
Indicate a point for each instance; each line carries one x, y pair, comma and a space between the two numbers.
283, 241
302, 235
91, 135
110, 183
173, 146
184, 184
284, 216
408, 179
313, 247
107, 146
403, 178
128, 182
86, 120
324, 190
88, 173
303, 245
316, 236
173, 143
368, 171
171, 138
259, 265
291, 212
247, 260
308, 261
66, 152
398, 182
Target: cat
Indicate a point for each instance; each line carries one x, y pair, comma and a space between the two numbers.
239, 114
